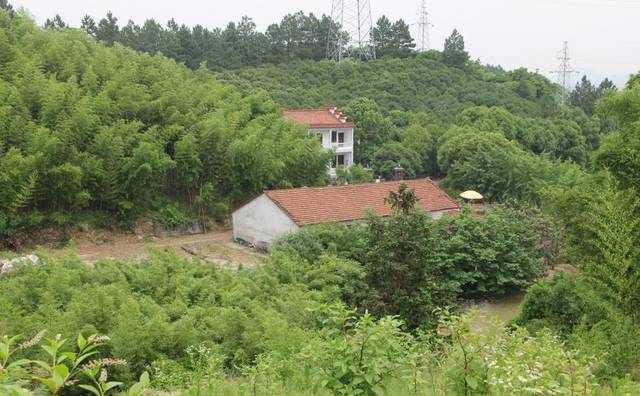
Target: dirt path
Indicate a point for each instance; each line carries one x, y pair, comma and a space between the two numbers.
215, 247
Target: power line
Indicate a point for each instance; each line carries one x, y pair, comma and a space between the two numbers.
565, 70
350, 32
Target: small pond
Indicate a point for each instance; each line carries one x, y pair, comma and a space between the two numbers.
504, 309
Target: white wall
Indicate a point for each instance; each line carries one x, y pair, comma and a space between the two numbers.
261, 221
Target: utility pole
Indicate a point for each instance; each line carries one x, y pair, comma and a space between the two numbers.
350, 31
564, 71
424, 25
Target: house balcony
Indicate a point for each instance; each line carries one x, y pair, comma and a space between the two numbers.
342, 147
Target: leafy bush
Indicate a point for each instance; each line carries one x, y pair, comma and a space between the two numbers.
171, 216
414, 264
355, 174
345, 240
573, 308
158, 308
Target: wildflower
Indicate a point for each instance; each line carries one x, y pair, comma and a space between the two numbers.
97, 339
33, 341
99, 363
103, 376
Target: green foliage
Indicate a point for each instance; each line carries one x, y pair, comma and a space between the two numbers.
171, 216
512, 362
61, 371
84, 127
454, 53
393, 154
347, 241
620, 152
495, 255
358, 361
355, 174
392, 39
596, 327
414, 264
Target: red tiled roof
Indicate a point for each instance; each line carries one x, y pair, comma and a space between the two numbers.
328, 117
307, 206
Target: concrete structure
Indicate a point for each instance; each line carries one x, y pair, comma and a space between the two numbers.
261, 221
332, 129
279, 212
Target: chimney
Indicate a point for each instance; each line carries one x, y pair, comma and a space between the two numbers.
398, 173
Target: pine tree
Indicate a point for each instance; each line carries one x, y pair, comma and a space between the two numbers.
454, 53
55, 23
108, 30
89, 26
403, 43
605, 86
4, 5
382, 35
584, 96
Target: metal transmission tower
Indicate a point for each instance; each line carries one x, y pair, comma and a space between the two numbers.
564, 71
424, 25
350, 32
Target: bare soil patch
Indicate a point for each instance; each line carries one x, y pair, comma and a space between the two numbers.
216, 247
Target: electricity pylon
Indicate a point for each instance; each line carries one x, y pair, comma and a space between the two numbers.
564, 72
350, 31
424, 25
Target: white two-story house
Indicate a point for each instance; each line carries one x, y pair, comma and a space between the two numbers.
332, 129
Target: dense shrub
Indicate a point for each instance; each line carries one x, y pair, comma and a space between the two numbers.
158, 308
572, 307
415, 264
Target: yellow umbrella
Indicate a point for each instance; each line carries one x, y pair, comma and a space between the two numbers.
472, 195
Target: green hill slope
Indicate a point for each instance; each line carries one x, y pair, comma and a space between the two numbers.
84, 127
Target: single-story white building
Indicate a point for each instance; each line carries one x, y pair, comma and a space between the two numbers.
279, 212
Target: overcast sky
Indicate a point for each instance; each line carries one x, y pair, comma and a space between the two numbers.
603, 35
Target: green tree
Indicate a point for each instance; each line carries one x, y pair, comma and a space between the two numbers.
585, 96
396, 268
620, 151
108, 30
422, 140
88, 24
382, 36
5, 5
454, 53
403, 43
393, 154
355, 174
55, 23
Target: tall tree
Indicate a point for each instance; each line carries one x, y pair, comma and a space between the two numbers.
605, 86
55, 23
5, 5
89, 25
382, 35
108, 30
403, 43
584, 96
454, 53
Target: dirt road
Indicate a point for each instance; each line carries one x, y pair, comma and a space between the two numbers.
215, 247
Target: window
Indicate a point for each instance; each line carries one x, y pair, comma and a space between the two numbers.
334, 136
320, 138
338, 160
341, 137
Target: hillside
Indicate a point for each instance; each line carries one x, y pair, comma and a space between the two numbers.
96, 134
419, 83
106, 134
